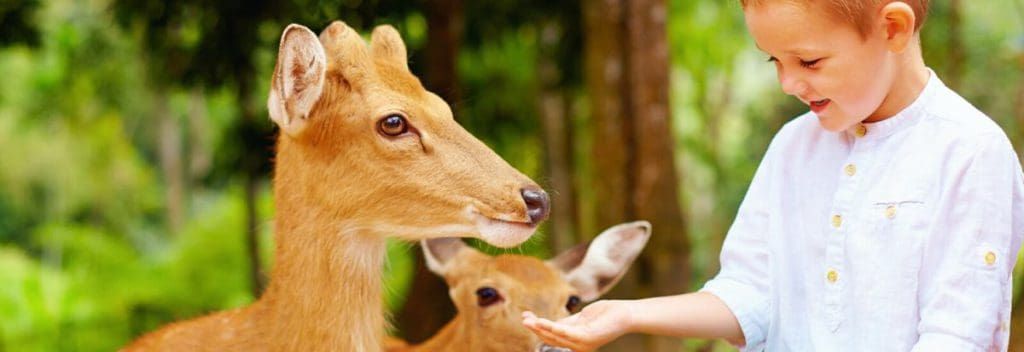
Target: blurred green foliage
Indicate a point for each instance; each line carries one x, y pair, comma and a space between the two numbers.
86, 258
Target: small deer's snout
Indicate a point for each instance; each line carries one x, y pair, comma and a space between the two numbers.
537, 204
546, 348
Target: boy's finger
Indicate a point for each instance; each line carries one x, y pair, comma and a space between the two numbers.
566, 332
553, 333
546, 328
530, 320
552, 339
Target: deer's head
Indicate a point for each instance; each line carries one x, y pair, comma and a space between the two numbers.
491, 293
362, 141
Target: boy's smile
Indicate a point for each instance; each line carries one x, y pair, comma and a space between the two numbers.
819, 105
844, 78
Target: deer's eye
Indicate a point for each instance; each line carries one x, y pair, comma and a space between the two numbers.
486, 296
393, 125
573, 303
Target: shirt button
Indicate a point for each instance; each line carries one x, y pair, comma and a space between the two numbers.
837, 221
832, 276
990, 258
850, 169
861, 130
890, 211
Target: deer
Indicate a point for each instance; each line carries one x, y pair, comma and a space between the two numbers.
491, 293
364, 153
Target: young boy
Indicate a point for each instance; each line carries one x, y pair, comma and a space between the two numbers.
889, 218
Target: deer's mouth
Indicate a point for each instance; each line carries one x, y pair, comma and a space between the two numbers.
548, 348
502, 232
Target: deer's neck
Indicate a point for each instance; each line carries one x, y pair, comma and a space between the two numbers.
325, 288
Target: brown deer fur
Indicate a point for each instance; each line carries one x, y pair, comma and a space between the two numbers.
341, 186
523, 283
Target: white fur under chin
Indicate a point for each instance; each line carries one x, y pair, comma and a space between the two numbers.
503, 233
498, 233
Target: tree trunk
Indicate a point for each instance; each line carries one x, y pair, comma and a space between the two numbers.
253, 164
171, 166
444, 37
557, 134
627, 72
428, 306
200, 153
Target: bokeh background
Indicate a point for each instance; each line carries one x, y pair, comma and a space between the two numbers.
135, 146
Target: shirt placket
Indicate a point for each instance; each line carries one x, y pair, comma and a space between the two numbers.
834, 271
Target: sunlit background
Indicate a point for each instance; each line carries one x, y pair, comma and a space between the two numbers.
135, 146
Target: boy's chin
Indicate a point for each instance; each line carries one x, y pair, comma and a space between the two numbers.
833, 124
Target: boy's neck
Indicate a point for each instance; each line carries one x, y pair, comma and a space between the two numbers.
910, 79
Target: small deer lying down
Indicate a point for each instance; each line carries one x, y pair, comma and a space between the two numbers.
491, 293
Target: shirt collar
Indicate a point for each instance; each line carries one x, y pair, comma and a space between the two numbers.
902, 120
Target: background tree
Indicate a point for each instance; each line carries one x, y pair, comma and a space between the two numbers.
133, 182
627, 73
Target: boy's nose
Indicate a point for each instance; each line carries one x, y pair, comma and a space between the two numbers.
792, 86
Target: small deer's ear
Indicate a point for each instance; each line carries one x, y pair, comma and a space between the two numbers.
440, 253
595, 268
386, 44
298, 79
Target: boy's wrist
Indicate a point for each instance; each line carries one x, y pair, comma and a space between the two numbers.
628, 318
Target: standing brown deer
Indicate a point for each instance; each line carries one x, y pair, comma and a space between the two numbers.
364, 153
491, 293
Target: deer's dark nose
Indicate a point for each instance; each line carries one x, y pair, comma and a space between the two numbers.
537, 204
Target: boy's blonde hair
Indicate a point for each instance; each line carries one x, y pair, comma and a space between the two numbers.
856, 12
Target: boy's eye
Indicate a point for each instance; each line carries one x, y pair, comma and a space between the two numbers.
809, 63
772, 59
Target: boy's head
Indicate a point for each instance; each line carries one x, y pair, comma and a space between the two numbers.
849, 60
857, 13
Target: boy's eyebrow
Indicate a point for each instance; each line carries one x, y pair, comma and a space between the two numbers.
796, 51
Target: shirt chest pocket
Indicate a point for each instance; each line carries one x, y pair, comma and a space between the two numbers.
887, 252
890, 243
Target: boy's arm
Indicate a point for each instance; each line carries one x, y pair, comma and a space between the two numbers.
966, 269
734, 305
744, 282
698, 314
689, 315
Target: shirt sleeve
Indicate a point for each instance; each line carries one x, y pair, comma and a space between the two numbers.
743, 282
965, 280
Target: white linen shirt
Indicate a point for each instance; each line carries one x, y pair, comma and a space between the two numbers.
899, 235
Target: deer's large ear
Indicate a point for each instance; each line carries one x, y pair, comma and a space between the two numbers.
386, 44
298, 79
595, 268
441, 252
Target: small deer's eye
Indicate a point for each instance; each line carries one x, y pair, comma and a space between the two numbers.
393, 125
573, 303
486, 296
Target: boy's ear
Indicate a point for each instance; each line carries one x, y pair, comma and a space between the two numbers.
593, 269
298, 79
899, 21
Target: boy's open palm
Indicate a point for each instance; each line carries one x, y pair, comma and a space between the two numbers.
594, 326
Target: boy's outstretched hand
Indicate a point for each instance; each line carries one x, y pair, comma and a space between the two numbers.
594, 326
